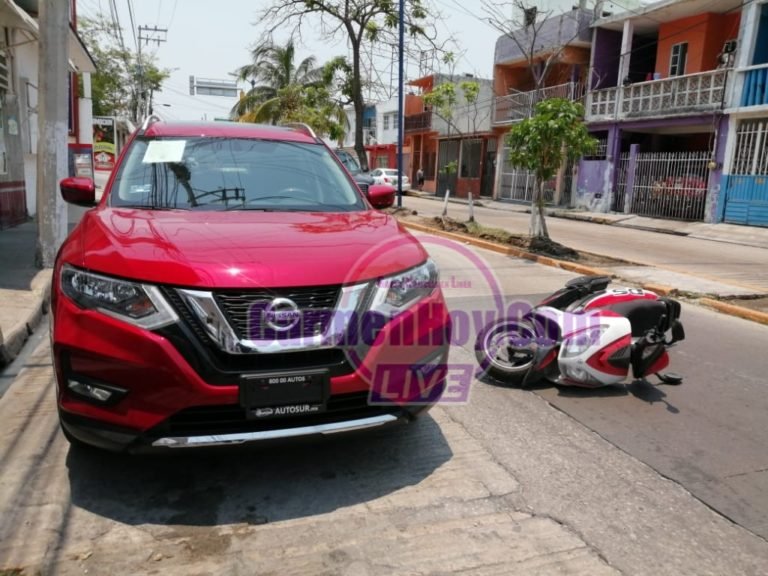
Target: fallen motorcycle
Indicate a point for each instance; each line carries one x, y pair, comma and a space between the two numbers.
585, 334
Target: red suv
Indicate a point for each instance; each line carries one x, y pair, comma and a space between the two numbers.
234, 284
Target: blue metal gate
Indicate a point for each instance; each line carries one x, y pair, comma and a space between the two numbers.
745, 197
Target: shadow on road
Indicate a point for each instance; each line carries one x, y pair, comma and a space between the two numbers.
641, 389
255, 485
646, 391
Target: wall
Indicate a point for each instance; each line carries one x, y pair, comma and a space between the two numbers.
26, 66
471, 118
705, 34
389, 135
414, 104
593, 185
572, 26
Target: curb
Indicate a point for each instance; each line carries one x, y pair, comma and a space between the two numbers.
660, 289
734, 310
511, 251
12, 343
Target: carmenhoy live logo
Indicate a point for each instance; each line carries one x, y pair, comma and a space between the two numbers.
396, 333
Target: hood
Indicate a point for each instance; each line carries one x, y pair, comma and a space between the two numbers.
242, 248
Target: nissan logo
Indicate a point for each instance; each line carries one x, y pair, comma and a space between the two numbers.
282, 314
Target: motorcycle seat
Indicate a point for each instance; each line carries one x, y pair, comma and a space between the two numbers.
643, 315
589, 284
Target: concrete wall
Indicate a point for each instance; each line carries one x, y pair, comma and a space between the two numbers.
26, 67
389, 108
705, 35
572, 26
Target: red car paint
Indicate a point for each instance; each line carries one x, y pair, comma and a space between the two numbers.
166, 371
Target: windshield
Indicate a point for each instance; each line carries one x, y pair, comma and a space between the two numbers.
349, 161
232, 174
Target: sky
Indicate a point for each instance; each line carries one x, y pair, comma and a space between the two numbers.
211, 39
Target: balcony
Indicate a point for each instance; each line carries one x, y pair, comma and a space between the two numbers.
418, 122
755, 86
520, 105
690, 94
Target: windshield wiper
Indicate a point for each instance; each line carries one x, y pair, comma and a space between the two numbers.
149, 207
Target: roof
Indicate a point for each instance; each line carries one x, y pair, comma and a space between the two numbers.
648, 18
228, 130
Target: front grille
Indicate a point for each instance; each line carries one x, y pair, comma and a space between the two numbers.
231, 418
245, 311
363, 187
221, 368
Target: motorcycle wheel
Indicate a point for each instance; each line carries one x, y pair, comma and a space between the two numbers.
505, 350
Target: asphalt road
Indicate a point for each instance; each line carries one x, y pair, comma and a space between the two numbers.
510, 482
708, 434
742, 266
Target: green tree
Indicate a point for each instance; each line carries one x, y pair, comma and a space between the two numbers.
453, 102
121, 83
272, 69
359, 22
554, 134
282, 91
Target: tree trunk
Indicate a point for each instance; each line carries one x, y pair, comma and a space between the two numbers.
538, 226
359, 104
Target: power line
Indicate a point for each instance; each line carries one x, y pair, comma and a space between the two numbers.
133, 27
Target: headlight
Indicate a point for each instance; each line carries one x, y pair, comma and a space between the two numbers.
578, 343
139, 304
395, 293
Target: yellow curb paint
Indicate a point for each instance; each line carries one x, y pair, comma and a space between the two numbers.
659, 289
734, 310
509, 250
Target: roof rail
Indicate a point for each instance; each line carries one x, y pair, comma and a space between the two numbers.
301, 127
151, 119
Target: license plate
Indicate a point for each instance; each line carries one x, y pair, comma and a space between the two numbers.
280, 394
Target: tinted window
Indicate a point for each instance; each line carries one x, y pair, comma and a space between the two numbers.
232, 174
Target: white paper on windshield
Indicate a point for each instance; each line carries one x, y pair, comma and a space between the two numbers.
164, 151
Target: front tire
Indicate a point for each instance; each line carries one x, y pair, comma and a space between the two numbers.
505, 350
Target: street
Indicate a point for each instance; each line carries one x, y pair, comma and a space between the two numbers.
739, 266
633, 480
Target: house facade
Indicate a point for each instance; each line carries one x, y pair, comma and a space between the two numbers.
549, 58
743, 195
659, 87
455, 153
19, 81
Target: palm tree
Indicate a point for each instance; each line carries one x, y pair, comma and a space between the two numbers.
273, 77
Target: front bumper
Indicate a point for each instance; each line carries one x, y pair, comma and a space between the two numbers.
181, 392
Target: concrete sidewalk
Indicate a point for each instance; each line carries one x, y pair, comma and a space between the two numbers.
730, 233
24, 289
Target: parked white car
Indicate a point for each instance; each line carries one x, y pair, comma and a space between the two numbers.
389, 176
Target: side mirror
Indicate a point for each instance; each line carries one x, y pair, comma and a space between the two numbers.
381, 195
79, 191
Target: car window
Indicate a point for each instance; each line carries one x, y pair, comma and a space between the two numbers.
232, 174
349, 161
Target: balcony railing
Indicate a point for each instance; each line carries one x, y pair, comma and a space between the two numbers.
693, 93
755, 86
520, 105
421, 121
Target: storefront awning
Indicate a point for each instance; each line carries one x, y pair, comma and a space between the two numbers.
79, 58
12, 16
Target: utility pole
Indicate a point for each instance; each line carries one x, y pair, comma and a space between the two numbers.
147, 34
52, 158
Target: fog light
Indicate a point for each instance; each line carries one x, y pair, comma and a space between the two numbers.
99, 392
